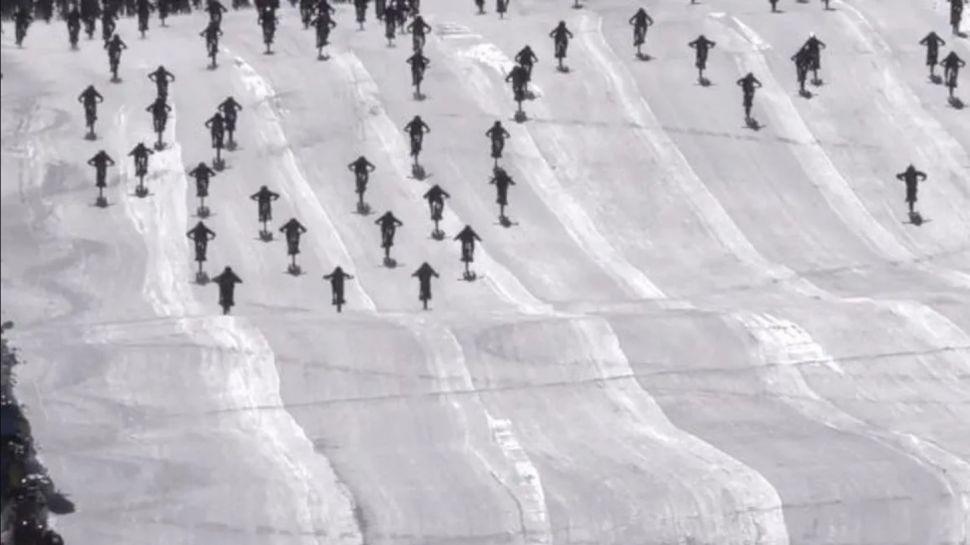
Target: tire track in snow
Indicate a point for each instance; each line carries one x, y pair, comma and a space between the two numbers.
253, 380
818, 166
306, 203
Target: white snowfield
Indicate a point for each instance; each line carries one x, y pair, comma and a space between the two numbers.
694, 333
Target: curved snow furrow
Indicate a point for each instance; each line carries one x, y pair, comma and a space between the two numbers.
253, 380
324, 233
819, 168
784, 344
677, 168
758, 515
572, 216
516, 472
380, 126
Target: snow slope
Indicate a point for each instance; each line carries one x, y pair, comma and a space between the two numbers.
695, 333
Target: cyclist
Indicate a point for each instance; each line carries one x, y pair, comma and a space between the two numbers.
501, 180
90, 98
268, 20
748, 85
641, 22
436, 203
73, 19
161, 77
144, 10
264, 199
200, 235
416, 129
22, 20
424, 274
227, 281
419, 63
952, 64
229, 109
361, 168
497, 134
115, 46
560, 37
337, 278
293, 229
702, 46
932, 42
389, 225
911, 177
418, 28
527, 59
323, 23
159, 110
101, 161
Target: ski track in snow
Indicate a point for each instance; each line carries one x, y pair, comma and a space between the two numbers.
252, 379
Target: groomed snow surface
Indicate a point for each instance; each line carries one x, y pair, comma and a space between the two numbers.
695, 333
